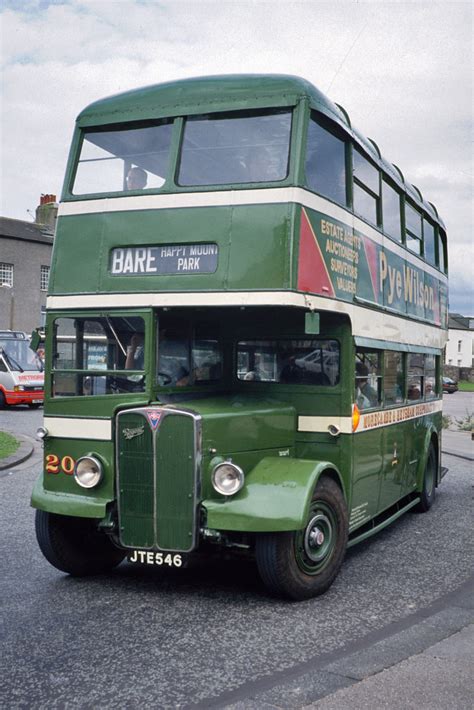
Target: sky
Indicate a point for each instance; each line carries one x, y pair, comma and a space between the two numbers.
403, 71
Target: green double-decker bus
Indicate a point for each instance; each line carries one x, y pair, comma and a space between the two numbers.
246, 314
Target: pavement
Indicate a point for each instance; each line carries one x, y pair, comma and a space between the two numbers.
458, 443
23, 452
424, 662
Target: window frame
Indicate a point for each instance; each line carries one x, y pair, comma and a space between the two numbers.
366, 188
385, 181
410, 233
263, 111
7, 274
336, 132
83, 131
277, 383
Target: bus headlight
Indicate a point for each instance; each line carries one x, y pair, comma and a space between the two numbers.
88, 472
227, 478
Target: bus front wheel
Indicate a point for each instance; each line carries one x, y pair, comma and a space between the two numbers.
304, 563
74, 545
428, 492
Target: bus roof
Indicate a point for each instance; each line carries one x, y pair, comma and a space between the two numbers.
238, 92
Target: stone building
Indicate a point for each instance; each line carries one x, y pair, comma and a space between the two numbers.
460, 345
25, 257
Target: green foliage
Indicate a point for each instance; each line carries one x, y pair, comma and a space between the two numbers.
447, 421
466, 423
8, 444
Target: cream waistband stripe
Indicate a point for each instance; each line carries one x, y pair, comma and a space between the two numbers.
75, 428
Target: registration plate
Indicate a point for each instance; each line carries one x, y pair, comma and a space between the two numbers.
36, 401
157, 559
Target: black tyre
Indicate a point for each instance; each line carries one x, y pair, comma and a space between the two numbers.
428, 492
74, 545
304, 563
3, 401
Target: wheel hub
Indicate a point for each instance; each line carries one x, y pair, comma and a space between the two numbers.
317, 537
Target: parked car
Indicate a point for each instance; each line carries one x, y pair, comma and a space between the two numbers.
449, 385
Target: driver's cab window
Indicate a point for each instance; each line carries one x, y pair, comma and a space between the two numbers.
84, 348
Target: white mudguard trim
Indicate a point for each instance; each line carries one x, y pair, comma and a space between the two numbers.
321, 424
223, 198
75, 428
365, 321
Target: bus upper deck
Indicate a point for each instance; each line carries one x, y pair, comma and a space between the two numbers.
255, 187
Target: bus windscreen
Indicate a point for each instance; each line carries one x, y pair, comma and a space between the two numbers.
243, 147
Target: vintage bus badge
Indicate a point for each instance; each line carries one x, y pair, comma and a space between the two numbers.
132, 433
154, 418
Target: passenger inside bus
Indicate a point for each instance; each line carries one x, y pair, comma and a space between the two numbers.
365, 395
136, 179
135, 353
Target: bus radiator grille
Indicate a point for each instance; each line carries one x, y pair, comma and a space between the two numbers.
156, 472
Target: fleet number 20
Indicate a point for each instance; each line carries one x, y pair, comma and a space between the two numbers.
54, 464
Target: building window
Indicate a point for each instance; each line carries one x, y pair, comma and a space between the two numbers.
459, 363
44, 278
6, 274
459, 346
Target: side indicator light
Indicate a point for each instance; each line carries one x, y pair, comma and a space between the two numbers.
355, 417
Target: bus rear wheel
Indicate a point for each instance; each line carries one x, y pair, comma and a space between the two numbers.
74, 545
428, 492
304, 563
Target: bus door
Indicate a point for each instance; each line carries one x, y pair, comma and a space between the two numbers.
394, 443
368, 441
393, 466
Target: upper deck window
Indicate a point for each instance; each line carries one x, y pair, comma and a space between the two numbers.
413, 228
127, 159
442, 252
242, 147
429, 241
366, 188
391, 211
326, 163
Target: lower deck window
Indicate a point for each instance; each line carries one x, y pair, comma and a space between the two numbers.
295, 362
368, 379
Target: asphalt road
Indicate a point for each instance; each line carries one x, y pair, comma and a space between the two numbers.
208, 635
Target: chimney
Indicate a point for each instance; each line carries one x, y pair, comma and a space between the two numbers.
47, 211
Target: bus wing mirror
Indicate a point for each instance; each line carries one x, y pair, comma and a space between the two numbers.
35, 340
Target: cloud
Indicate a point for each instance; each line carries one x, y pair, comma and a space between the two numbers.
402, 70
